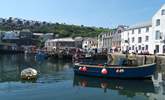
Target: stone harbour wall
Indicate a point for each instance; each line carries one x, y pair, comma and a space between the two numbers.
141, 59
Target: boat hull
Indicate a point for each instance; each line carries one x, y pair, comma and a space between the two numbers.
144, 71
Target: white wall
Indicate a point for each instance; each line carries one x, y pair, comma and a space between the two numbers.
160, 28
129, 35
124, 37
152, 34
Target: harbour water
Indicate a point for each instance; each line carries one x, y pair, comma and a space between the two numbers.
56, 81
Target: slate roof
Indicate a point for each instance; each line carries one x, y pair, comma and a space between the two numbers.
141, 25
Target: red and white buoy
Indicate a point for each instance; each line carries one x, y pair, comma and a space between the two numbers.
117, 70
104, 71
84, 69
121, 70
80, 69
100, 64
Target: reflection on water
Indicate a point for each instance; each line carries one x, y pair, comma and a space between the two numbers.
128, 88
58, 76
11, 66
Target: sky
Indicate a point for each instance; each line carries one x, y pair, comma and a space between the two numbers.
99, 13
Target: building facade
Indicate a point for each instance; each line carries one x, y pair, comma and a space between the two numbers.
137, 38
111, 40
105, 40
116, 38
89, 43
146, 37
60, 43
78, 42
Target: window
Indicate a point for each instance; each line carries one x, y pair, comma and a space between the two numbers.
136, 48
54, 43
142, 48
157, 48
157, 35
139, 39
146, 47
139, 47
133, 39
157, 22
133, 31
133, 47
147, 38
163, 48
147, 29
86, 42
139, 31
163, 12
49, 44
127, 47
119, 31
128, 40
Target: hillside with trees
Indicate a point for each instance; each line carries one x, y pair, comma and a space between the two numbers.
61, 29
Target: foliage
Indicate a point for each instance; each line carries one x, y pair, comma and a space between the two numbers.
63, 30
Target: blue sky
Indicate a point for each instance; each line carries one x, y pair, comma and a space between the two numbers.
100, 13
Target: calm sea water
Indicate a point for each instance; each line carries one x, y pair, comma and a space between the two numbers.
57, 81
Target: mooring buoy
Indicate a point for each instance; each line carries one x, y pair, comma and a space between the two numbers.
29, 74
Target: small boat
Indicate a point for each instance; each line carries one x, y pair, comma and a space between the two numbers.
29, 74
122, 70
115, 71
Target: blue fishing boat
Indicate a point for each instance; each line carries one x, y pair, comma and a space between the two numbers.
115, 71
122, 70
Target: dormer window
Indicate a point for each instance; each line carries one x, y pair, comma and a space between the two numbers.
139, 31
133, 31
147, 29
119, 31
163, 12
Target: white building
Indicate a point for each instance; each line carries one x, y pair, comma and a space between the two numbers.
60, 43
147, 36
10, 35
137, 38
105, 40
111, 40
89, 43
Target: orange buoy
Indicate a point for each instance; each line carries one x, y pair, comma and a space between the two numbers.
84, 69
104, 71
